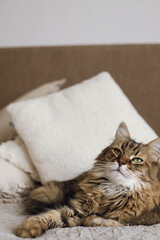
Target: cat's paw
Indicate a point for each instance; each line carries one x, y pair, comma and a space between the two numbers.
31, 228
93, 221
111, 223
106, 222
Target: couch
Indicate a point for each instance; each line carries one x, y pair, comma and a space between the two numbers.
135, 68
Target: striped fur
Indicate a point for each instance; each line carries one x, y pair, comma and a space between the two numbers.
116, 191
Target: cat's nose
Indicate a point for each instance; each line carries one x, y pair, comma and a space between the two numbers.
122, 161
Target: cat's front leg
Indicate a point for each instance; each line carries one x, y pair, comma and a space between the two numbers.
36, 225
94, 220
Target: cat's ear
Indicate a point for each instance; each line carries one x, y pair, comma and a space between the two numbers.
154, 147
122, 132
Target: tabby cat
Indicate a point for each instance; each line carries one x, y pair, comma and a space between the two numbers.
122, 188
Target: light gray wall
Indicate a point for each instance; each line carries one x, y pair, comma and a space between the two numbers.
68, 22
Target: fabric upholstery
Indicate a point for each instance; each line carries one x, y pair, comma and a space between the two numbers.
135, 67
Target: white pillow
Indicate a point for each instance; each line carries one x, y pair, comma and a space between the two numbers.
13, 179
15, 152
65, 131
7, 132
18, 174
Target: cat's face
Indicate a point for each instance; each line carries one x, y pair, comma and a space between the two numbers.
129, 163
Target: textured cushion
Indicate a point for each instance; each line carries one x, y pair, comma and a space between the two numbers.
13, 179
15, 152
17, 171
7, 132
65, 131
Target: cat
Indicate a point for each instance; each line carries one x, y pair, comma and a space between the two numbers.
122, 188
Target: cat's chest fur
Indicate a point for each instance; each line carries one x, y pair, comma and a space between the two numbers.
116, 202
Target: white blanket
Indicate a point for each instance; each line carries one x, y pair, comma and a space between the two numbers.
11, 215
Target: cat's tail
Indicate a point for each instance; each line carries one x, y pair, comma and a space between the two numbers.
51, 195
44, 197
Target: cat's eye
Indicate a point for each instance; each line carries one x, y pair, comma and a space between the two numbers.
117, 151
137, 160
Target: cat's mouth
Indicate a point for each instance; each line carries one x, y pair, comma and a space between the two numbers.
119, 171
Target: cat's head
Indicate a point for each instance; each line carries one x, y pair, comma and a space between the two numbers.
129, 163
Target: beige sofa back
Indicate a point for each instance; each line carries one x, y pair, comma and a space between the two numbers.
136, 68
